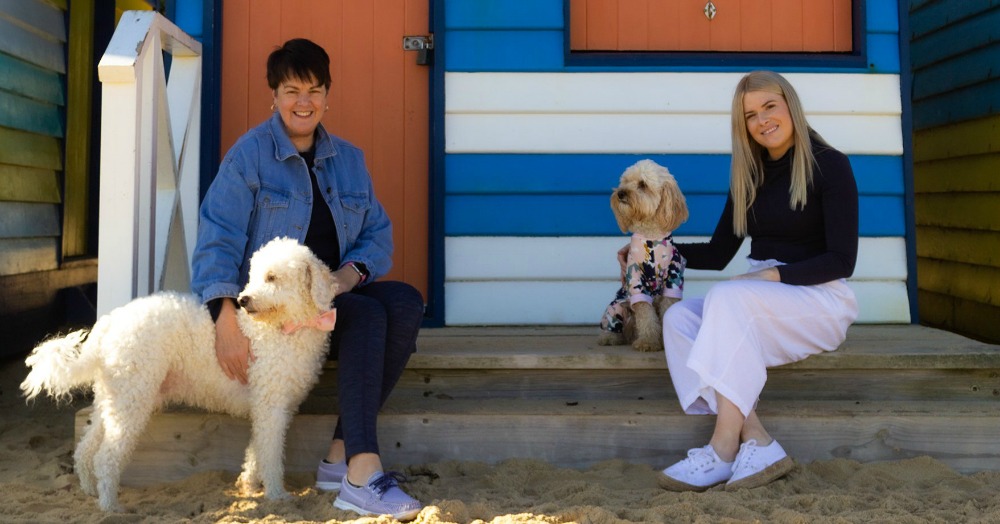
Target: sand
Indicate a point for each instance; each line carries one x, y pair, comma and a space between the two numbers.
37, 484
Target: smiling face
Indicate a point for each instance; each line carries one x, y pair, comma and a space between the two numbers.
769, 122
301, 104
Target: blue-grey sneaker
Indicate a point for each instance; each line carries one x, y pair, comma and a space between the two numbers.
381, 496
329, 475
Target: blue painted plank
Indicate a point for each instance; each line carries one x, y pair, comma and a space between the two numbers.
590, 215
882, 16
883, 53
955, 39
40, 16
931, 16
188, 16
543, 50
968, 69
955, 106
30, 81
31, 47
596, 174
17, 112
504, 14
504, 50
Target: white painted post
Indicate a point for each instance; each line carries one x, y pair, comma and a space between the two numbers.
149, 159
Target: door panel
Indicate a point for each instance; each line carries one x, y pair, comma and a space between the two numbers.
378, 98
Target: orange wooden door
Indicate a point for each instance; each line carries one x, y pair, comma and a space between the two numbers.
378, 100
737, 25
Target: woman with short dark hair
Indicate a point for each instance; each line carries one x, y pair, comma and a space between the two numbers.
288, 177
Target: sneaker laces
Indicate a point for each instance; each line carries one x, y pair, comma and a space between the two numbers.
747, 451
698, 458
387, 481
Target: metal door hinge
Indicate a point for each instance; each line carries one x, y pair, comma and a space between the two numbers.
423, 45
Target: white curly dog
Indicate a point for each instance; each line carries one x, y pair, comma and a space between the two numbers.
159, 350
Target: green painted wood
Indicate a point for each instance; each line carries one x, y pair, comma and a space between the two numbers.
17, 112
976, 211
30, 150
927, 16
970, 68
976, 137
963, 281
968, 173
29, 81
61, 4
970, 318
22, 220
39, 15
76, 210
31, 47
955, 39
954, 244
28, 184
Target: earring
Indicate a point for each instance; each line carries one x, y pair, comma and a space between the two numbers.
327, 108
272, 107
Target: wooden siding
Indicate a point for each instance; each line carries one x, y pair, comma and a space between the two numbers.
955, 59
957, 186
80, 79
682, 25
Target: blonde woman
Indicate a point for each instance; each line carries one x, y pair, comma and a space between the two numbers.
796, 198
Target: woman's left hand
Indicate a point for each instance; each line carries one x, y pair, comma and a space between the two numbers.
770, 274
345, 279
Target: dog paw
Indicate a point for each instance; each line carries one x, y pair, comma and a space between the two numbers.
647, 345
277, 494
611, 339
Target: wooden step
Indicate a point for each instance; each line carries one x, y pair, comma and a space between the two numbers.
488, 394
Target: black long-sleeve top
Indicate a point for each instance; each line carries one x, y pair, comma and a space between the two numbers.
817, 243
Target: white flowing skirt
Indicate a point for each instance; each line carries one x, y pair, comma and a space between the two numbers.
725, 342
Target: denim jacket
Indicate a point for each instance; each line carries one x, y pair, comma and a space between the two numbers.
263, 191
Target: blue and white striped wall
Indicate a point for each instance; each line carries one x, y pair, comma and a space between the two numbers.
533, 148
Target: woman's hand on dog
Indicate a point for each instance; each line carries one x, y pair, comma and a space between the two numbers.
232, 347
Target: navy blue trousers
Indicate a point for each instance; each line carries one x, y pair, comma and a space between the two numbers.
376, 333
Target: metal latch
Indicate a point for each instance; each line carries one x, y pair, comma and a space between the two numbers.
423, 45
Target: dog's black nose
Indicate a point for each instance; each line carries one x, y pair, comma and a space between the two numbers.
622, 194
244, 301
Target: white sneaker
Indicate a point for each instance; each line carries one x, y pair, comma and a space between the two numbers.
701, 470
756, 465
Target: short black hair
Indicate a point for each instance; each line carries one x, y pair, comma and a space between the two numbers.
298, 58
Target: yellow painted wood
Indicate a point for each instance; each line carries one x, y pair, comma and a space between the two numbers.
78, 124
974, 137
966, 173
31, 150
28, 184
965, 281
969, 318
978, 211
959, 245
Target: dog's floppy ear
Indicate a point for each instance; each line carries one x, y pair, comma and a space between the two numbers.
321, 284
673, 209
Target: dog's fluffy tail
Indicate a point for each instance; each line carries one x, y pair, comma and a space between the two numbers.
59, 366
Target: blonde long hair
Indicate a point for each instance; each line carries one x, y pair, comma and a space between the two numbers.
747, 168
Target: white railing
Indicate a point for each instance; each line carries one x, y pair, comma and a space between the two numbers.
150, 133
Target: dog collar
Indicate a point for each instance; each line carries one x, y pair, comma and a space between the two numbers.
322, 322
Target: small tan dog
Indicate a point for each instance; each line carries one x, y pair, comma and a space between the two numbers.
649, 204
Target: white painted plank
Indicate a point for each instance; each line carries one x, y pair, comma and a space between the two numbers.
583, 302
27, 255
504, 258
38, 15
648, 133
590, 93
